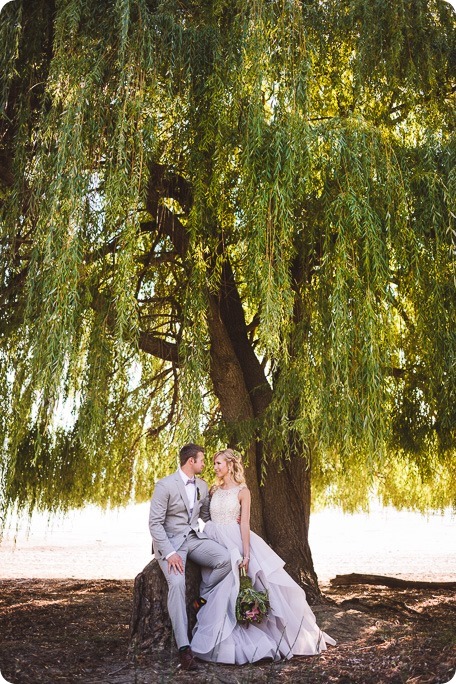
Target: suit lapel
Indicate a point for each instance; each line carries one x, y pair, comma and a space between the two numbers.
182, 492
197, 504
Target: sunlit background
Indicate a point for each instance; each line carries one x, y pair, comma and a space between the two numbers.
116, 544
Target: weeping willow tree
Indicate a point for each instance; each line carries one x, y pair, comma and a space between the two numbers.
229, 222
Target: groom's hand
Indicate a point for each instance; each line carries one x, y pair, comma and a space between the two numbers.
175, 564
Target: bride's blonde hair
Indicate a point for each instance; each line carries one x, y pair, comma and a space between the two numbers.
234, 463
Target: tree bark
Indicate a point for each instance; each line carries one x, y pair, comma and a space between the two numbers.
230, 388
286, 497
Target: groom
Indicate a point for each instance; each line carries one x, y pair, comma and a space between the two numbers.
177, 503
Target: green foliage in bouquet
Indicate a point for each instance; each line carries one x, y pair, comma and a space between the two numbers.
251, 605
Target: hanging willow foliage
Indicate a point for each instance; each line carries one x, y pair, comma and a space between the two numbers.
161, 159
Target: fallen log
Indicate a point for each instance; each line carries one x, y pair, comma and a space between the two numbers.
394, 582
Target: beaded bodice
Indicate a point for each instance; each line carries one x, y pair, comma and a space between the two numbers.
225, 505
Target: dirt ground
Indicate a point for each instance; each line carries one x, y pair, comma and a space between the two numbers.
75, 631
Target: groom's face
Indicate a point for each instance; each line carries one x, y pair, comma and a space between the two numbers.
198, 463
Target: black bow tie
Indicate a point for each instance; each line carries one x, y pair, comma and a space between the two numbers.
190, 481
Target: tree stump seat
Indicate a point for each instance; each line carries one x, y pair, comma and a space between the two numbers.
150, 625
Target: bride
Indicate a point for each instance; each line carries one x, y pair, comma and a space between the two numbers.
290, 627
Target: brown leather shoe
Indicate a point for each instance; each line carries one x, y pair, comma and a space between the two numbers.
187, 660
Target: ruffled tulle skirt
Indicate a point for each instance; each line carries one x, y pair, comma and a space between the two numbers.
290, 627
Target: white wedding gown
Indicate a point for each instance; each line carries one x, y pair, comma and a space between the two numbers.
290, 627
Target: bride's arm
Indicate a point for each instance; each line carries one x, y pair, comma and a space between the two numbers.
245, 498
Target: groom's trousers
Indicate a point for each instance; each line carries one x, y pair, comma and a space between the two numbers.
206, 553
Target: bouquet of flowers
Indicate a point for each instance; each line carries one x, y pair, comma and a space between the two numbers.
251, 605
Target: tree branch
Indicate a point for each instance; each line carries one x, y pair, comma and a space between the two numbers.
168, 351
167, 183
396, 582
154, 431
156, 346
163, 183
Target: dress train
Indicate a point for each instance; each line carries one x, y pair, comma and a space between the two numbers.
290, 627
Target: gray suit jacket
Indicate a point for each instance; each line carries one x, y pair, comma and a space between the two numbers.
170, 521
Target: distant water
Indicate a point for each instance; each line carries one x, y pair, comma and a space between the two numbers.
93, 544
384, 542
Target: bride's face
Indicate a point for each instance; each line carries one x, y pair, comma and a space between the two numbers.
220, 467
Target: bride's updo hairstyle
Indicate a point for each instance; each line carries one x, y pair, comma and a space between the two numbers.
234, 462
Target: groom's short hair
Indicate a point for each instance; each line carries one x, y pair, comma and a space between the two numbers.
189, 451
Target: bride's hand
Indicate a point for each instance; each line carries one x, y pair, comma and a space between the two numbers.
245, 563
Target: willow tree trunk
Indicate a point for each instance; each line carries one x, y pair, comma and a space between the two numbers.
286, 497
281, 505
